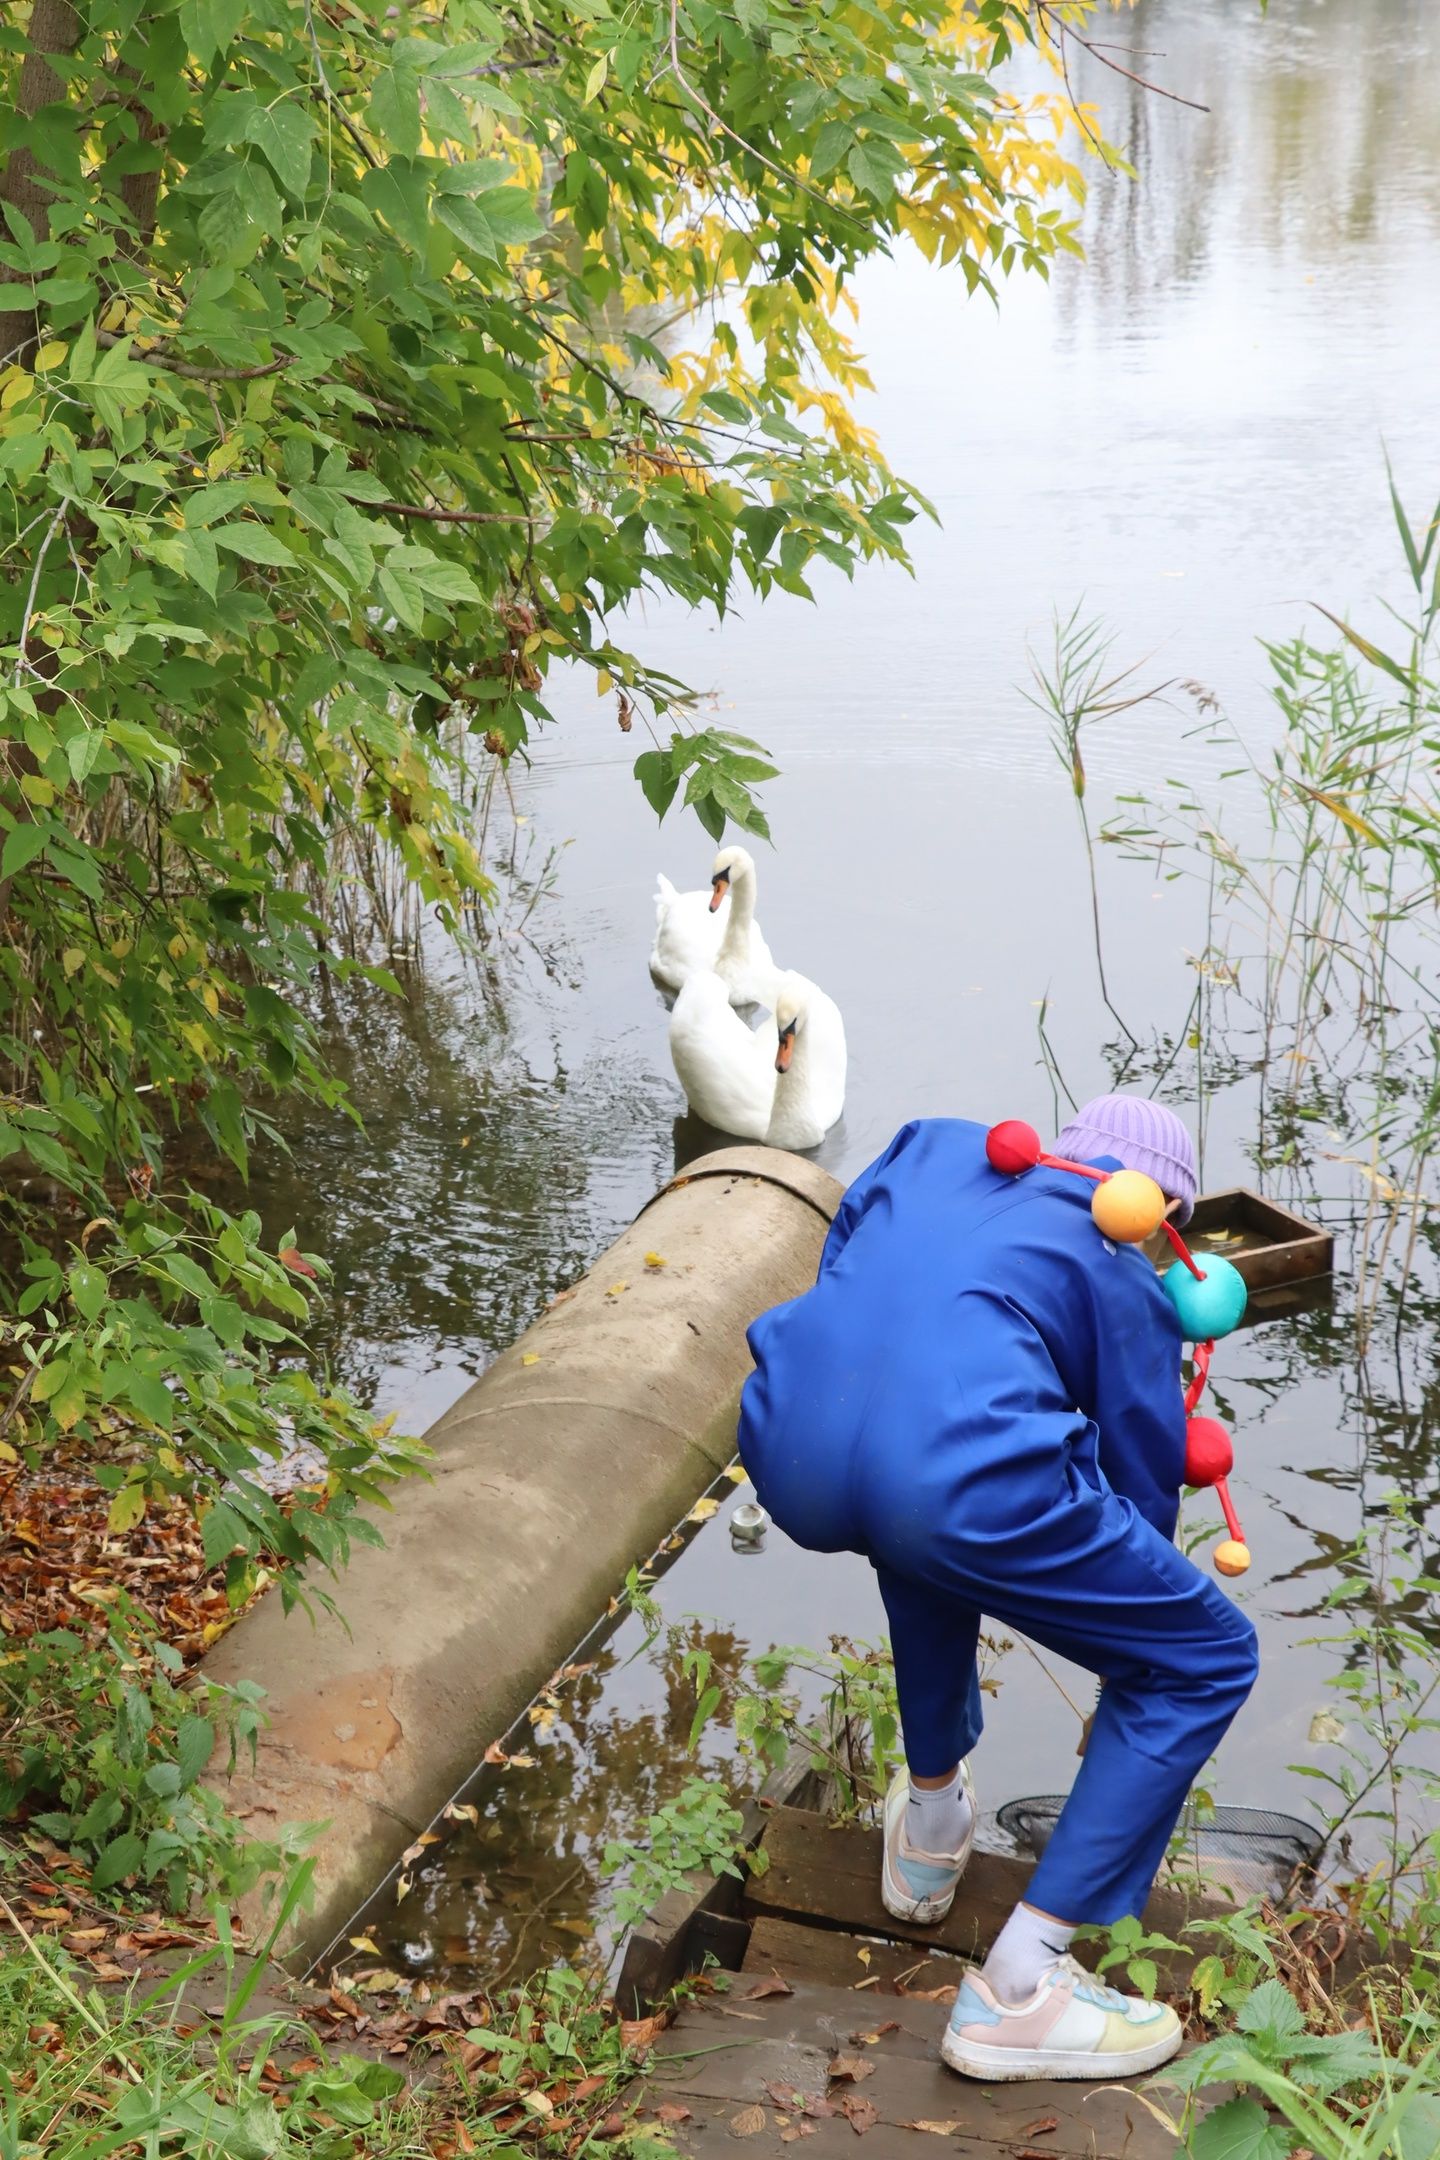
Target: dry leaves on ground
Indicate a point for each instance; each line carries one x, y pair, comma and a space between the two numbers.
860, 2113
748, 2122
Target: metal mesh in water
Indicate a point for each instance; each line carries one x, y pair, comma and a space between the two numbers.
1249, 1852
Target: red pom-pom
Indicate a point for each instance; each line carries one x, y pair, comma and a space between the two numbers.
1208, 1453
1012, 1146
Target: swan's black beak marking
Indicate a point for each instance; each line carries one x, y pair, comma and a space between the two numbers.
719, 886
785, 1048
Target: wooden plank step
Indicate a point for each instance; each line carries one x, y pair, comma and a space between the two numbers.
744, 2066
828, 1876
797, 1953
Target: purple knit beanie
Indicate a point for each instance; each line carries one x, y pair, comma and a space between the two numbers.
1141, 1134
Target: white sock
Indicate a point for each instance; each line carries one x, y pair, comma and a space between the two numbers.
938, 1817
1026, 1947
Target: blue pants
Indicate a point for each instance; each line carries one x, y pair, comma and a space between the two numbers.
1178, 1660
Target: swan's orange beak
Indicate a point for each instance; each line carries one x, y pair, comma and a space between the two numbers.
719, 887
784, 1049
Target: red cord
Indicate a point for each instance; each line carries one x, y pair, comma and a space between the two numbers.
1222, 1494
1204, 1351
1182, 1249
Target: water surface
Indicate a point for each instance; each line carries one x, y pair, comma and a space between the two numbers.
1186, 432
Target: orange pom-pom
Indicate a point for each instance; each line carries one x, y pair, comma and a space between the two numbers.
1129, 1207
1231, 1557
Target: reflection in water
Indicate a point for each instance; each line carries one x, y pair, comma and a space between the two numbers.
1187, 428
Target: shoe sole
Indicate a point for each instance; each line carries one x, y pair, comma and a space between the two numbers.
1002, 2065
925, 1911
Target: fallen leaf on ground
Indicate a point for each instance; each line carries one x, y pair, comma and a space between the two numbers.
784, 2096
1041, 2127
771, 1985
935, 2129
530, 1357
861, 2114
539, 2103
616, 1288
703, 1510
456, 1811
363, 1942
748, 2122
849, 2068
938, 1995
654, 1259
868, 2039
737, 1473
382, 1977
670, 2111
641, 2032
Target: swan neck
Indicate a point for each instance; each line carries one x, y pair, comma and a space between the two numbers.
740, 913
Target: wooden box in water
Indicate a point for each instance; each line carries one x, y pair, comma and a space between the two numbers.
1276, 1251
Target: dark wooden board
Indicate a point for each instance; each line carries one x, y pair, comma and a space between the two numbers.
722, 2054
829, 1876
1274, 1247
797, 1953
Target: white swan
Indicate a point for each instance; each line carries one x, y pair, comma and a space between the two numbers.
690, 934
726, 1069
744, 962
810, 1059
783, 1083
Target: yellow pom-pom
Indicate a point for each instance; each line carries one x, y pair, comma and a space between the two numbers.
1231, 1557
1129, 1207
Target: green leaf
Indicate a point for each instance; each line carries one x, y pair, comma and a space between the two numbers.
255, 542
1240, 2130
89, 1288
285, 132
657, 782
202, 563
22, 845
221, 1532
194, 1745
121, 1857
394, 111
399, 193
1273, 2011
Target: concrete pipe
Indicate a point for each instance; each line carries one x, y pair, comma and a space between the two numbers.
568, 1460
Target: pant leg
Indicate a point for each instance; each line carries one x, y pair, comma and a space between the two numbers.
1178, 1660
933, 1638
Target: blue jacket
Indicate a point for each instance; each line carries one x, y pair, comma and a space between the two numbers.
973, 1351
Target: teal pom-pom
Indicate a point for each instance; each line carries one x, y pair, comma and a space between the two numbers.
1213, 1306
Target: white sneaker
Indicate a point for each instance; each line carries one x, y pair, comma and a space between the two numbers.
920, 1886
1073, 2026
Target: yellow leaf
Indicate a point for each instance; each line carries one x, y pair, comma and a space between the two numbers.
520, 1762
1350, 819
654, 1259
736, 1473
127, 1508
530, 1357
382, 1977
363, 1942
18, 387
539, 2103
703, 1510
616, 1288
603, 681
211, 999
595, 80
72, 959
50, 355
7, 1453
403, 1888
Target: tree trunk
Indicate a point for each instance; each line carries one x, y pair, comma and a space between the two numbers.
55, 30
